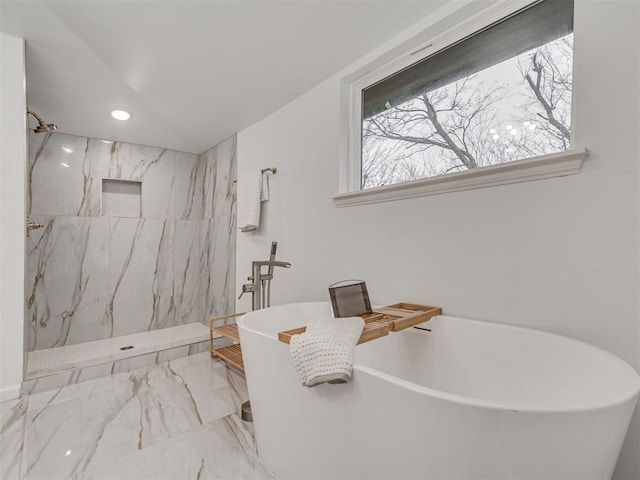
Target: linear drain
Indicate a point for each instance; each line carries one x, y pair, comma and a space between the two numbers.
128, 347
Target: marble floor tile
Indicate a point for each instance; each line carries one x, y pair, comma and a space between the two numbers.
134, 425
209, 386
224, 439
154, 462
12, 428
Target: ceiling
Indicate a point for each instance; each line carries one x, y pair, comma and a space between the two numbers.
191, 73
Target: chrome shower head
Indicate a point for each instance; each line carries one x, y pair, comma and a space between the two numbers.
42, 127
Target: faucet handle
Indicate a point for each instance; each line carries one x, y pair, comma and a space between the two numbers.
247, 288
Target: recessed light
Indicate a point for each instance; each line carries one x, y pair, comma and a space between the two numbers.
107, 141
67, 149
65, 165
119, 114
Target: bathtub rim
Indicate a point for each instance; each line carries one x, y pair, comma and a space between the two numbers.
615, 401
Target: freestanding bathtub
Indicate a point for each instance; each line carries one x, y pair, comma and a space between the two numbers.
467, 399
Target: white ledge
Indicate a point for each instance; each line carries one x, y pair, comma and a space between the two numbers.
537, 168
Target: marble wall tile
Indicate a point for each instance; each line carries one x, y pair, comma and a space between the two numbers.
218, 267
95, 163
66, 171
172, 354
60, 170
189, 306
141, 361
169, 179
132, 363
133, 162
200, 347
206, 181
219, 169
141, 296
68, 286
188, 187
219, 229
93, 277
157, 184
179, 365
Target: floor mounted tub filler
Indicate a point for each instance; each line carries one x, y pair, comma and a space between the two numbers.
467, 399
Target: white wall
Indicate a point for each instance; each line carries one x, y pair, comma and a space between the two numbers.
560, 255
12, 214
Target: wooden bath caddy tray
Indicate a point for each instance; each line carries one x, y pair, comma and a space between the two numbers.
232, 354
383, 320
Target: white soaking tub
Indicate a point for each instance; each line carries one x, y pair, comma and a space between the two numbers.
468, 399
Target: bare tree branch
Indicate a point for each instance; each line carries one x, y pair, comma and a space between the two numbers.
535, 86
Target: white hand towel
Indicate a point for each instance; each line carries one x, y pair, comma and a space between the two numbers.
249, 194
264, 193
325, 351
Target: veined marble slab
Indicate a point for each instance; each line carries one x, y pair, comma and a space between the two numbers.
68, 281
176, 420
141, 275
66, 172
220, 167
69, 357
217, 268
12, 431
92, 277
187, 277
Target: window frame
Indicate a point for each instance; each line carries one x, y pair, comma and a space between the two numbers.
350, 193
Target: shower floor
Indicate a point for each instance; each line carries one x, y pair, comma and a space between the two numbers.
41, 363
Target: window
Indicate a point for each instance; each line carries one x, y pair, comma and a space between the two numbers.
497, 96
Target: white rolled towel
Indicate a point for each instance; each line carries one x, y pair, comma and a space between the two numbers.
325, 351
249, 198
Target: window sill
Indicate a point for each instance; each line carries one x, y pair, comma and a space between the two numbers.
537, 168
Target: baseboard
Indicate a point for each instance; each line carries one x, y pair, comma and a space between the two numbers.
10, 392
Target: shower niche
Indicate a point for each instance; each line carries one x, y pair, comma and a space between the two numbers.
121, 198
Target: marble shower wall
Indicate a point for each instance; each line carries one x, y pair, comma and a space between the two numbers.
91, 276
